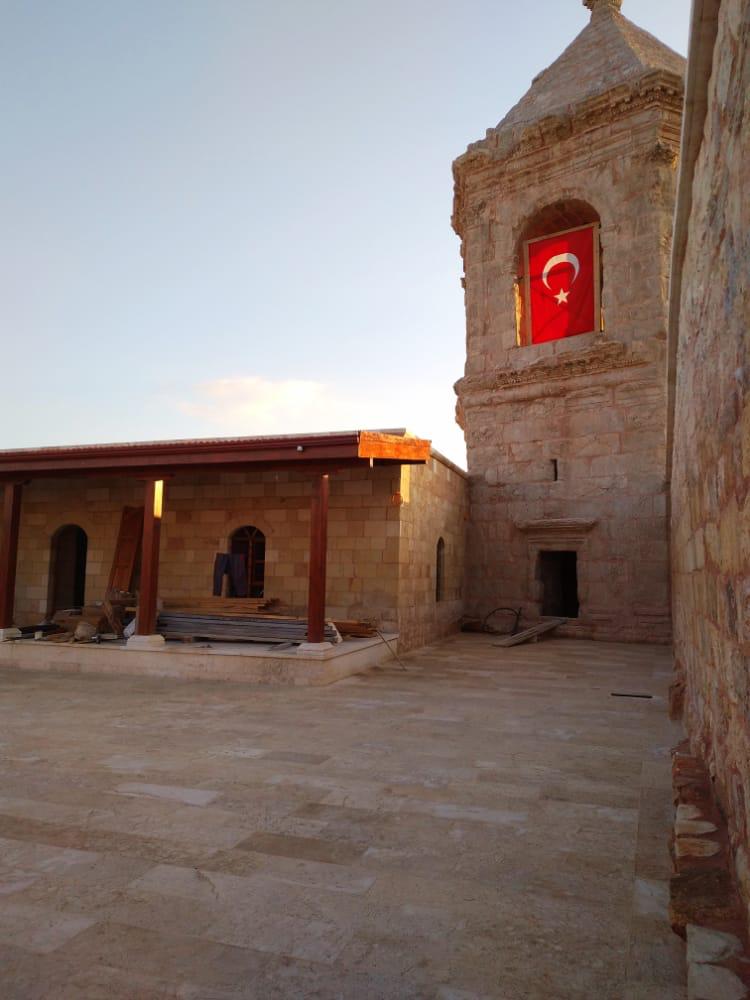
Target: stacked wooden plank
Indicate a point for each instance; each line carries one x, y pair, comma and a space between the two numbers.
189, 624
221, 605
531, 633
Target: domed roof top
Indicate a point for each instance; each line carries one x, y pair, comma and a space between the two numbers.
608, 52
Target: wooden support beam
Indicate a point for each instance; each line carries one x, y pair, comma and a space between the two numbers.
153, 501
316, 600
11, 519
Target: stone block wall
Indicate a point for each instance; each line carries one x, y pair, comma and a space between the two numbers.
594, 404
200, 514
434, 504
607, 504
48, 504
382, 530
711, 458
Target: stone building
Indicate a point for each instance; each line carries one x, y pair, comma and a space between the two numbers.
395, 519
709, 378
565, 425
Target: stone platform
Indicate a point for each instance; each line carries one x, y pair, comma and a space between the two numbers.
247, 663
485, 825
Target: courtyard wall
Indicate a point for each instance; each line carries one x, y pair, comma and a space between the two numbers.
711, 456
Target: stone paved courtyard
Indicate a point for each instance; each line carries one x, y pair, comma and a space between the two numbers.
487, 823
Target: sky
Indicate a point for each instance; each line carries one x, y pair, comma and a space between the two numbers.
230, 217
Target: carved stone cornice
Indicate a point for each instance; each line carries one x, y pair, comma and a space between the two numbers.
556, 529
602, 357
555, 524
506, 149
659, 87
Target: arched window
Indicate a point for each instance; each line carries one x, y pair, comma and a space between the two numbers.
558, 290
440, 571
67, 579
250, 543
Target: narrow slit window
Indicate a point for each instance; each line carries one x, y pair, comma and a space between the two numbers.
440, 570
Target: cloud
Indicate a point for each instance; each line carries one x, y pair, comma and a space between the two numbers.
255, 405
252, 404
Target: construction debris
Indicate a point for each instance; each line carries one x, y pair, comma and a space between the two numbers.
92, 614
234, 627
364, 629
532, 633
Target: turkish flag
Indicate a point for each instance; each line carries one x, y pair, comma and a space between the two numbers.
562, 277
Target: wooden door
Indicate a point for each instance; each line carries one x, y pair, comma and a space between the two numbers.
127, 549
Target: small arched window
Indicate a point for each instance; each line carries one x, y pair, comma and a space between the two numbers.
67, 579
440, 570
558, 291
250, 543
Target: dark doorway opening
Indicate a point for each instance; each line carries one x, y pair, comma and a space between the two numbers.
250, 543
68, 568
558, 572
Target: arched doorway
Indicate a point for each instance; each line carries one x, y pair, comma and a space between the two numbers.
250, 543
68, 568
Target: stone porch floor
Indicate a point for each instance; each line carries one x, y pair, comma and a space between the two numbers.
489, 823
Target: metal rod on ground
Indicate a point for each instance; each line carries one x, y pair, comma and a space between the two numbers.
396, 657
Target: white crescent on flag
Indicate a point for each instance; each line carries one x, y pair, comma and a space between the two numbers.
561, 258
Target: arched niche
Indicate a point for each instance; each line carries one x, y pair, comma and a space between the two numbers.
554, 219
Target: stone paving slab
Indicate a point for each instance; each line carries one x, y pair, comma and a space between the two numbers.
486, 824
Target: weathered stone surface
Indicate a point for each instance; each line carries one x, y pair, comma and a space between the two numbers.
693, 828
711, 982
710, 483
385, 871
686, 812
574, 429
707, 945
696, 847
703, 897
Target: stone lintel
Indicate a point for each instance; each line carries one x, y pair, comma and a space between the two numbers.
557, 528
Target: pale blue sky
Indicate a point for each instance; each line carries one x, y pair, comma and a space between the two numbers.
233, 217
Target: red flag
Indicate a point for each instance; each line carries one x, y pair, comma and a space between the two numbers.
562, 284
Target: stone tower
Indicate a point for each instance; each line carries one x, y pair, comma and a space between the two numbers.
564, 211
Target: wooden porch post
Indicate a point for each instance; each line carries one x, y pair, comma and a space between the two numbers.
316, 599
153, 501
11, 517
